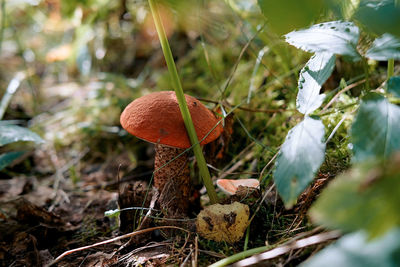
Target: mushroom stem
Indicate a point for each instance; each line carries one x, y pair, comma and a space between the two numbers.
172, 179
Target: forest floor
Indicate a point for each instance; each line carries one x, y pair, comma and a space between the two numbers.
39, 222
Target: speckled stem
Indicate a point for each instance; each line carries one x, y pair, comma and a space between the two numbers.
172, 179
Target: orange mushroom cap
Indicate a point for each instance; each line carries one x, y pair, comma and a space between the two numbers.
230, 186
156, 118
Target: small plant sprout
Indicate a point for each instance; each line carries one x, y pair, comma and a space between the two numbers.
156, 118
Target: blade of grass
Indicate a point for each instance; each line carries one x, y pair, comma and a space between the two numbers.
204, 173
253, 75
390, 68
246, 240
239, 256
10, 91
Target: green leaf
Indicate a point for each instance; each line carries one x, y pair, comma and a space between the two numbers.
354, 250
365, 198
7, 158
300, 157
385, 47
311, 78
375, 132
379, 17
286, 15
335, 37
13, 133
394, 86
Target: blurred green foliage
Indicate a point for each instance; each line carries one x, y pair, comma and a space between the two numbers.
357, 250
364, 198
288, 15
379, 17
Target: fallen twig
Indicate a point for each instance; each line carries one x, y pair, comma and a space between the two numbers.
66, 253
275, 252
345, 89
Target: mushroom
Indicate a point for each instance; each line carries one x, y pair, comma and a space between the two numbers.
156, 118
223, 222
230, 186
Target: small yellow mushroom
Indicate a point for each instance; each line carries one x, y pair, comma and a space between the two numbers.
223, 222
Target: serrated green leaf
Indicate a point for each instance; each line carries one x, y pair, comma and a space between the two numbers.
385, 47
379, 16
14, 133
300, 157
365, 198
375, 132
394, 86
7, 158
311, 78
286, 15
354, 250
335, 37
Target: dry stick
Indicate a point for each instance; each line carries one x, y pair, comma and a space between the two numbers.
273, 217
196, 251
269, 163
335, 129
232, 169
266, 192
266, 110
303, 235
293, 227
145, 219
262, 201
113, 240
182, 249
226, 103
137, 250
270, 254
312, 240
223, 172
183, 264
236, 157
347, 88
